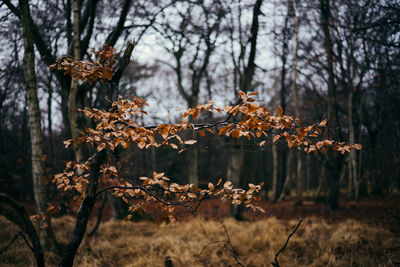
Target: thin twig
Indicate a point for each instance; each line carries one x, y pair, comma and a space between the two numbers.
276, 263
228, 241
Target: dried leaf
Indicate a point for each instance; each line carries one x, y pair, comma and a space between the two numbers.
323, 123
190, 142
358, 146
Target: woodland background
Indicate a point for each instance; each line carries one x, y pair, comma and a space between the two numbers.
335, 59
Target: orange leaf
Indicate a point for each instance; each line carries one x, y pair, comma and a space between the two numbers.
202, 132
276, 137
190, 142
323, 123
358, 146
210, 186
195, 114
242, 95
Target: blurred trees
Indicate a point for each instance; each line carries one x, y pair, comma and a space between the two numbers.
342, 63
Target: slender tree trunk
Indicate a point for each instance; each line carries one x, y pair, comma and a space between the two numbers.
321, 183
308, 176
36, 135
335, 160
299, 174
288, 178
350, 178
363, 187
353, 171
235, 162
275, 186
235, 171
35, 128
283, 56
193, 161
50, 127
72, 108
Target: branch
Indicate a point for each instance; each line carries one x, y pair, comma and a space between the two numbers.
12, 8
196, 126
276, 263
126, 59
145, 188
90, 11
19, 216
84, 210
227, 243
103, 204
112, 38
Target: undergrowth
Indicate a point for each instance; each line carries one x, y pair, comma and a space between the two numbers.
190, 243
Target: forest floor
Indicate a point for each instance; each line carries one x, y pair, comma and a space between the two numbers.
363, 233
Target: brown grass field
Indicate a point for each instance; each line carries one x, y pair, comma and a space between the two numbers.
364, 233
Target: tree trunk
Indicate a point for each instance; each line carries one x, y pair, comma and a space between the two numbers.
286, 186
235, 162
335, 160
84, 211
35, 128
50, 127
321, 183
299, 174
72, 108
236, 156
275, 186
193, 163
353, 170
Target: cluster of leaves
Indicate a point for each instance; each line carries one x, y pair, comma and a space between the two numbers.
100, 69
118, 127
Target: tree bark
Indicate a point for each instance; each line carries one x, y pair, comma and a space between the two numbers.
286, 185
193, 164
275, 186
84, 211
334, 162
72, 108
299, 169
353, 170
35, 128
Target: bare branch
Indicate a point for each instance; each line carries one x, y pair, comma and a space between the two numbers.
276, 263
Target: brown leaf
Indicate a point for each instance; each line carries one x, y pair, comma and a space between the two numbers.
190, 142
358, 146
323, 123
276, 137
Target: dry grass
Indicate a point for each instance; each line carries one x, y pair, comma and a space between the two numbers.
316, 243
